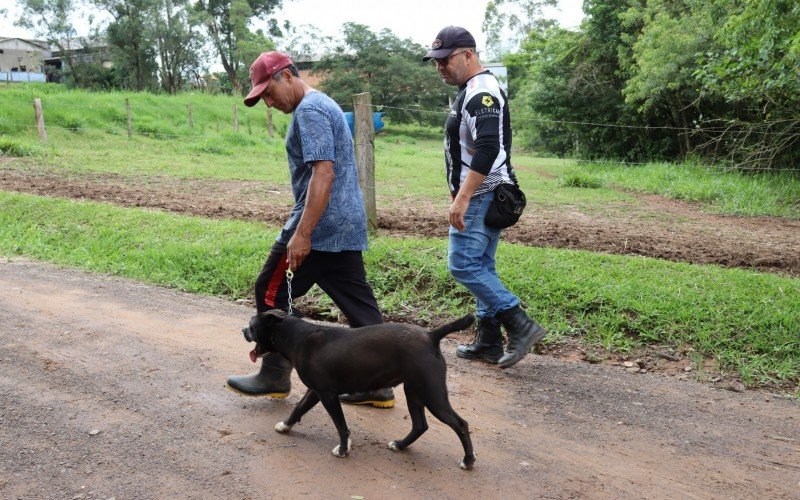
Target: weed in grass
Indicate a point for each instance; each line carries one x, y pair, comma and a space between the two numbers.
154, 129
211, 146
579, 180
69, 122
11, 147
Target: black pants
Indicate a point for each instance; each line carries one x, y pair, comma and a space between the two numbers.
341, 275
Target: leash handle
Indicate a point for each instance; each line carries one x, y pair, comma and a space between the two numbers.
289, 276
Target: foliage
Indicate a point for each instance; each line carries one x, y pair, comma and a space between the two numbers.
226, 22
506, 23
129, 35
753, 66
178, 44
665, 79
388, 67
51, 20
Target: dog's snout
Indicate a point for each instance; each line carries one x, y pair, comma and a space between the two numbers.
248, 335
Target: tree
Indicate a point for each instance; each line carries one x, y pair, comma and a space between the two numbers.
130, 35
388, 67
753, 66
569, 86
506, 23
663, 60
178, 44
304, 42
227, 24
51, 20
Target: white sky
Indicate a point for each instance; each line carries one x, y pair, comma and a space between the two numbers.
419, 20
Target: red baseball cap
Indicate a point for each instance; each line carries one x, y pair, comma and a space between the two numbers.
261, 72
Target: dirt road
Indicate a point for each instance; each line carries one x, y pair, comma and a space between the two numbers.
111, 388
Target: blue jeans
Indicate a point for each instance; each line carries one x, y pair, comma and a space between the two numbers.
470, 259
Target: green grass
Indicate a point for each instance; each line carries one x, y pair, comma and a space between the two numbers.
747, 321
87, 133
727, 192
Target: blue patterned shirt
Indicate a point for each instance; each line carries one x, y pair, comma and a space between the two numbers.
318, 131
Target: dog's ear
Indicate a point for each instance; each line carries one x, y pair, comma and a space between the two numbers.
274, 314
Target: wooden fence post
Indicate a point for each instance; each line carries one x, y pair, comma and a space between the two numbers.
191, 119
365, 155
128, 112
270, 127
37, 106
235, 117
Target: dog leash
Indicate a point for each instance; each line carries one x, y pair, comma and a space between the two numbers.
289, 276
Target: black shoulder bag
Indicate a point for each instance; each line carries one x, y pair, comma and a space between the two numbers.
507, 206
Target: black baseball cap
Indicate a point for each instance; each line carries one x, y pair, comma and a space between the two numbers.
448, 40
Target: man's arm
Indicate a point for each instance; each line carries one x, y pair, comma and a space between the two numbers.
317, 197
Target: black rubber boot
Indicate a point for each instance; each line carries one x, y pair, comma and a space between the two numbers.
523, 333
273, 380
383, 398
488, 343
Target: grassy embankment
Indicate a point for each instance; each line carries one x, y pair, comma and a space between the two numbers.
747, 322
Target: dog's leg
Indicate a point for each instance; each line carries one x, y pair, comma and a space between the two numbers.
334, 407
441, 409
310, 399
418, 423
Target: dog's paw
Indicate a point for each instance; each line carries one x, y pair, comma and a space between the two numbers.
394, 446
282, 428
338, 453
467, 465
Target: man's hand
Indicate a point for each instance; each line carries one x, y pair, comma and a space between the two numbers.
297, 250
457, 210
317, 197
461, 201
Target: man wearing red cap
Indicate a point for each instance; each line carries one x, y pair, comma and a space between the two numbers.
323, 240
478, 160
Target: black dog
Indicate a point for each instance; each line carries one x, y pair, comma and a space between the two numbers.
332, 361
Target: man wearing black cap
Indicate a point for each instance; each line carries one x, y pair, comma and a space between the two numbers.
478, 159
327, 229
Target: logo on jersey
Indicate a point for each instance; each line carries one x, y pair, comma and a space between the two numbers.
487, 101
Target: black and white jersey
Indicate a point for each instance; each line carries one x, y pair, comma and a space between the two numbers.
478, 135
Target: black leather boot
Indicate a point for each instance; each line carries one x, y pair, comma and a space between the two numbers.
273, 380
523, 333
488, 343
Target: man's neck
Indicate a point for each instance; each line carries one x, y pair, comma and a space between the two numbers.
477, 71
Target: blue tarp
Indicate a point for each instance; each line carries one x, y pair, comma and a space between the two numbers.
22, 76
377, 120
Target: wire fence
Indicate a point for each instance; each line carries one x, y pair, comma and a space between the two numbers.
172, 126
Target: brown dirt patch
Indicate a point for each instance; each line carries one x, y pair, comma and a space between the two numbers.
116, 389
652, 227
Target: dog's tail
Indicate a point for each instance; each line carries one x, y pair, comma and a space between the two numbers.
459, 324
